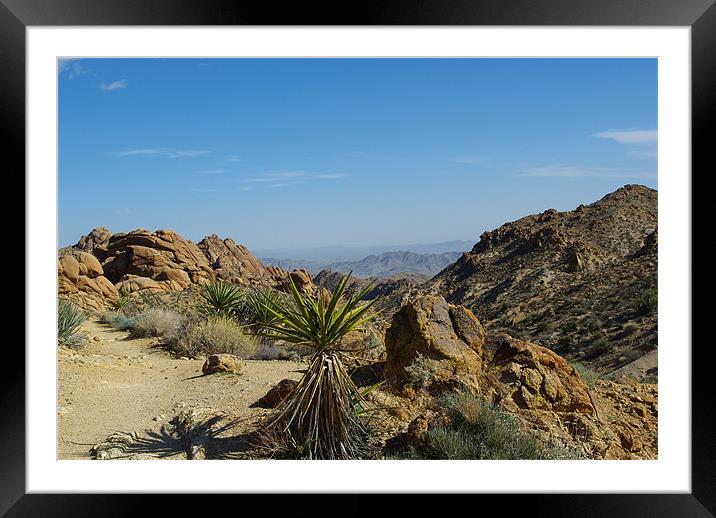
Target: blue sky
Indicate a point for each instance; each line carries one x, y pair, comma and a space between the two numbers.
354, 152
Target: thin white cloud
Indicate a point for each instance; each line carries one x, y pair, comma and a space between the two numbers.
162, 152
472, 160
560, 171
629, 136
212, 171
114, 85
330, 176
646, 154
273, 177
233, 158
363, 154
70, 67
201, 189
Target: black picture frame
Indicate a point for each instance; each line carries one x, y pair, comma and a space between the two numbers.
700, 15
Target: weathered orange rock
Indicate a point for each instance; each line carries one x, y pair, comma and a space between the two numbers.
222, 363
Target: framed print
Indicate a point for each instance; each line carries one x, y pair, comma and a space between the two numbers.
443, 249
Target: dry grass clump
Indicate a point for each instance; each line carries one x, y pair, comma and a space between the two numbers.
197, 336
479, 430
155, 321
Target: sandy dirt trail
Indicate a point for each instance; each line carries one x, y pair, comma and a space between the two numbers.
132, 385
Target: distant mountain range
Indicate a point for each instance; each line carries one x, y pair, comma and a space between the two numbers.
391, 263
426, 258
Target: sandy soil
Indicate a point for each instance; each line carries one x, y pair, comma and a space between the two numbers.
132, 385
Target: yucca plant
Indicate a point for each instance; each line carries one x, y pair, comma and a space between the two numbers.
221, 298
122, 301
255, 309
320, 417
69, 319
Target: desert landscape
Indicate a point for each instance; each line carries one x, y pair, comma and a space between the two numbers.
540, 342
364, 258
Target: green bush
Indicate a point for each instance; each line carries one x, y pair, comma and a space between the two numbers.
70, 318
647, 301
479, 430
154, 322
570, 325
588, 375
630, 327
195, 337
544, 326
421, 371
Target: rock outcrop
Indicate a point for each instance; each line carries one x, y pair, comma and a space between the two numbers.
96, 240
235, 263
171, 261
449, 337
546, 395
81, 278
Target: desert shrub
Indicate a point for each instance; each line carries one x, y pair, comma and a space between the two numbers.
647, 300
591, 324
564, 343
70, 318
600, 341
421, 371
268, 350
155, 322
109, 317
196, 336
588, 375
176, 301
570, 325
479, 430
650, 378
544, 326
630, 327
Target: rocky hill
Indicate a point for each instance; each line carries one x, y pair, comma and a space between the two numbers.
93, 271
580, 282
391, 263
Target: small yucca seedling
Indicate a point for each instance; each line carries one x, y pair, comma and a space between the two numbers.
221, 298
122, 302
321, 414
69, 319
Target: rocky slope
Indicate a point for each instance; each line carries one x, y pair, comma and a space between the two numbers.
580, 282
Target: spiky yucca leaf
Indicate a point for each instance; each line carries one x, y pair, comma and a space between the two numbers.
255, 306
320, 418
221, 298
310, 321
69, 319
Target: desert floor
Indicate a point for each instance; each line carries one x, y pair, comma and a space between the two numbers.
118, 384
